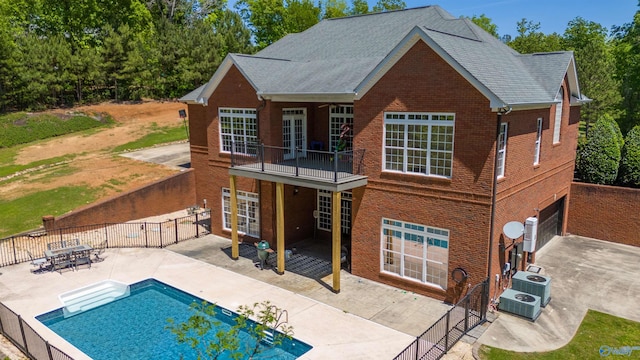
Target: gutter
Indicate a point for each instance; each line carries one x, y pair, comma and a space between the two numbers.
503, 111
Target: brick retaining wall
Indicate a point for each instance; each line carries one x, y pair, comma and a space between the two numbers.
605, 212
170, 194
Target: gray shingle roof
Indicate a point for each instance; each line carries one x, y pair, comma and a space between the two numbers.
337, 55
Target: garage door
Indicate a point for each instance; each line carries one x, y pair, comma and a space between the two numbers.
550, 223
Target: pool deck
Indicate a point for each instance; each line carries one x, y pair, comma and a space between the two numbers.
365, 320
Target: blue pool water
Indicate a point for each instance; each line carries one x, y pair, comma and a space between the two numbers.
135, 327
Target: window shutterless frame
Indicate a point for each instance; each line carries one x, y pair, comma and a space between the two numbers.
418, 143
414, 251
502, 150
557, 124
536, 153
248, 212
238, 127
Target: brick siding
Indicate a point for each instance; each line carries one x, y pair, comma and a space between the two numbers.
605, 212
420, 81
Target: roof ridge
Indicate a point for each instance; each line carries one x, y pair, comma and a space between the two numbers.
557, 52
259, 57
380, 13
454, 35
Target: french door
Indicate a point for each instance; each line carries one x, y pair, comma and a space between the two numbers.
294, 132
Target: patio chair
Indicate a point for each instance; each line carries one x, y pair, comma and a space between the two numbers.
61, 261
82, 257
40, 262
99, 250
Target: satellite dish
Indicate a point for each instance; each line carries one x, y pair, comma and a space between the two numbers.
513, 229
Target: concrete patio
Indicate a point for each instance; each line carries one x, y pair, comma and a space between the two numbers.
365, 321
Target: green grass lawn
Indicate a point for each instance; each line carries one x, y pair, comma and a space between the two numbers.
18, 215
159, 135
598, 331
21, 128
24, 213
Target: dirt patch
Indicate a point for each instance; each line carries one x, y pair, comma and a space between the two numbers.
133, 123
94, 164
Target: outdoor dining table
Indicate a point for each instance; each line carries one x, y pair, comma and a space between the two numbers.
67, 250
69, 256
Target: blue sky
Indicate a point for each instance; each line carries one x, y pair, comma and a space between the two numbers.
553, 15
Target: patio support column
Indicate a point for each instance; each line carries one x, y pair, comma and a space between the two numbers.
280, 227
336, 232
234, 218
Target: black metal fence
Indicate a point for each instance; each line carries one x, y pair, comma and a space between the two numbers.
444, 333
22, 248
26, 339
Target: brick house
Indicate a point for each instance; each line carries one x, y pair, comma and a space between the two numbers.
410, 138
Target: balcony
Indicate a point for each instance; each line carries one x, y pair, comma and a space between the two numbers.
334, 171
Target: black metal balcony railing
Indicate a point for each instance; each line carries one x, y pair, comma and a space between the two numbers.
327, 165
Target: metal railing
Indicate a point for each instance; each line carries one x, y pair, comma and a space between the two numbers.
17, 249
26, 339
327, 165
468, 313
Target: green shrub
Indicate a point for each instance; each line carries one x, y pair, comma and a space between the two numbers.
598, 157
630, 161
22, 128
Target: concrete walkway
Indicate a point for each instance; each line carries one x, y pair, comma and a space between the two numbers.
366, 320
174, 155
585, 274
404, 311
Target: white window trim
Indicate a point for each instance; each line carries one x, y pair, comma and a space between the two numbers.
428, 233
241, 140
502, 149
246, 223
538, 143
291, 140
339, 114
557, 124
421, 122
323, 222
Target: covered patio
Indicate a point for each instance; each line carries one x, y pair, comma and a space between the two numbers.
330, 171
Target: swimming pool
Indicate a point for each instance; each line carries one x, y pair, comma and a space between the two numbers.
135, 327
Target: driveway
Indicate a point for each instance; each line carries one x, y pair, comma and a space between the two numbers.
585, 274
174, 155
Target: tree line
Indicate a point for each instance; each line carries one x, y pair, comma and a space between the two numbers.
608, 67
57, 53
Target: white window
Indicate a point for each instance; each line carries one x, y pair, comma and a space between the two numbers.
536, 155
415, 251
502, 150
339, 115
324, 211
558, 118
419, 143
239, 127
248, 212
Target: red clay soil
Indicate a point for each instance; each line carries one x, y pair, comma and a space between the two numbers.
94, 165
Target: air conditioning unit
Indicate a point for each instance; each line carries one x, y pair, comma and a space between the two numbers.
530, 234
533, 284
520, 303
